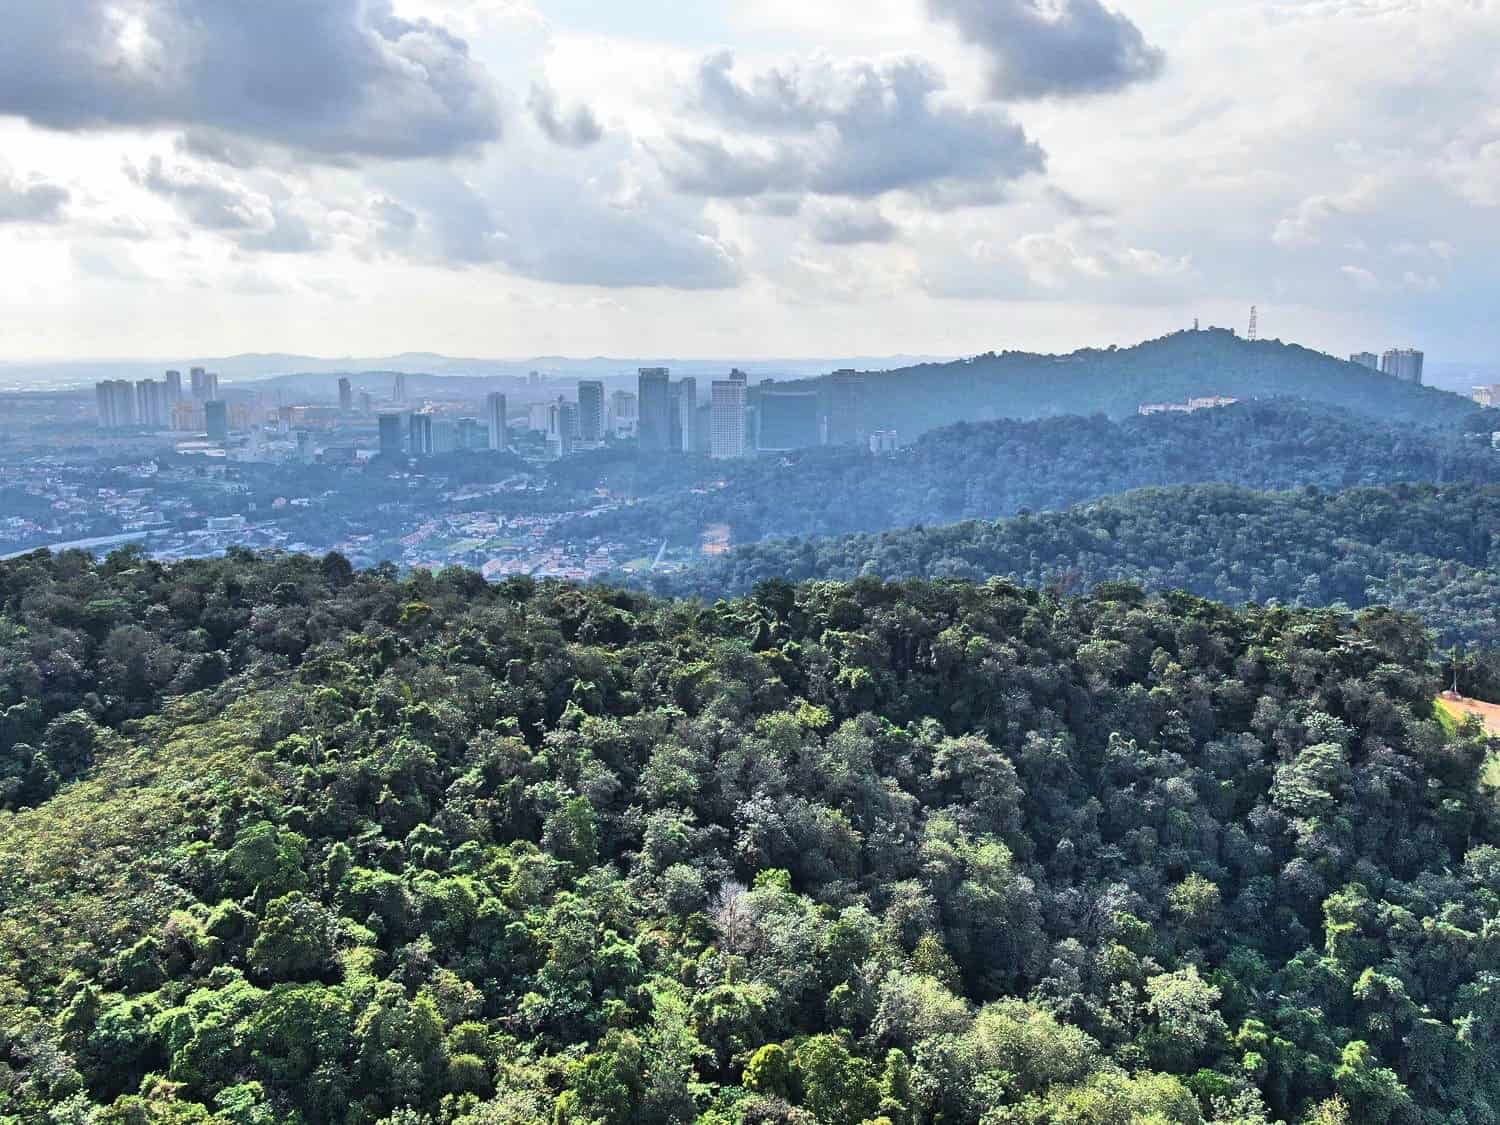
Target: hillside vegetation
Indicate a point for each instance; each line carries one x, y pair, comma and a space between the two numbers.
1116, 381
292, 843
992, 469
1428, 549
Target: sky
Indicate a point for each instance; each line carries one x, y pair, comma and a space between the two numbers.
753, 179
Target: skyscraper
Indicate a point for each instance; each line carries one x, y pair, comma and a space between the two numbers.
685, 423
1366, 359
846, 408
390, 435
1403, 363
197, 374
590, 411
205, 385
398, 389
421, 435
494, 414
174, 388
655, 404
216, 419
346, 395
727, 439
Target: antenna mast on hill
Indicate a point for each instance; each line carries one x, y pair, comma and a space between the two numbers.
1254, 324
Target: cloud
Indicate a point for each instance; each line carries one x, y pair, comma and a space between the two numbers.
1053, 48
851, 226
31, 201
575, 128
251, 219
334, 79
852, 129
539, 224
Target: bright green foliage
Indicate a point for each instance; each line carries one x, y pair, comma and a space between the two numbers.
426, 851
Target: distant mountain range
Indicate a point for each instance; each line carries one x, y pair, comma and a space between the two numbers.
247, 368
911, 395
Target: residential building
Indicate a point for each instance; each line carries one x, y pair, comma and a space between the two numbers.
216, 419
420, 435
115, 399
884, 441
494, 415
622, 414
591, 412
1404, 364
174, 388
151, 403
727, 438
846, 408
346, 395
390, 435
1488, 395
685, 415
205, 385
1366, 359
398, 388
654, 427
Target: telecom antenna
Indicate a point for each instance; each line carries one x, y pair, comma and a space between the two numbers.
1254, 324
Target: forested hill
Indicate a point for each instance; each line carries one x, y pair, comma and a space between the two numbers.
1427, 549
992, 469
1116, 381
295, 844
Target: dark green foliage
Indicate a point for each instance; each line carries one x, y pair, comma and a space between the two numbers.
839, 853
985, 470
1430, 550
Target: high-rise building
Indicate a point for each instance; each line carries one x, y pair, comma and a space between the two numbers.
727, 438
846, 408
884, 441
174, 388
115, 399
622, 414
590, 411
494, 415
346, 395
305, 452
786, 420
151, 404
1487, 395
398, 388
1403, 363
420, 442
654, 427
390, 435
1366, 359
365, 402
216, 419
469, 434
562, 427
685, 416
205, 385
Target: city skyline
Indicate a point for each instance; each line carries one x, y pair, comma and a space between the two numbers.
752, 182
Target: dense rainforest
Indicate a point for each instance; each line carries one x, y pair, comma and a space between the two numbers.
987, 470
1116, 381
286, 842
1428, 549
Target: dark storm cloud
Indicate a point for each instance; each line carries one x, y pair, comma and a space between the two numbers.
31, 201
856, 130
575, 128
1054, 48
335, 79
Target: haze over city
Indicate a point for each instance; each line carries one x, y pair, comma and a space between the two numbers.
929, 177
